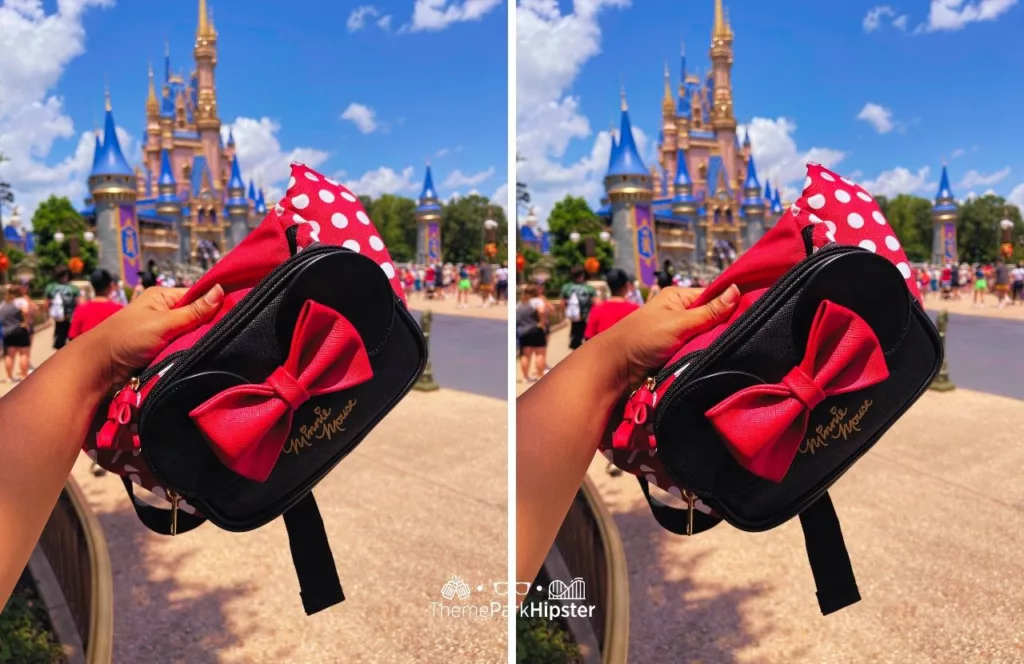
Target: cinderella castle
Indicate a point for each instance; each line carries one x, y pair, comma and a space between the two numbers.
187, 202
702, 203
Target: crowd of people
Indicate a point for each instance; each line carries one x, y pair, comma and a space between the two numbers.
1004, 281
457, 280
588, 311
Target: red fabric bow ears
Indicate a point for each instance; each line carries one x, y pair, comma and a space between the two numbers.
248, 425
763, 425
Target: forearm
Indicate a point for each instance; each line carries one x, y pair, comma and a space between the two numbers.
553, 453
43, 422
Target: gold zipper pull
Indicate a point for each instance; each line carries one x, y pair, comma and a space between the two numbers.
690, 499
133, 383
174, 511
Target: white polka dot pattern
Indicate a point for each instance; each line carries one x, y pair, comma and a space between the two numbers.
325, 210
833, 197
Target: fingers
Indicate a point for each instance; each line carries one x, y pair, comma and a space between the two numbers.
188, 318
714, 311
165, 298
675, 297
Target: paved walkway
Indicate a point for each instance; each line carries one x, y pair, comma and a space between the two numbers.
418, 501
986, 353
964, 306
934, 520
470, 354
449, 307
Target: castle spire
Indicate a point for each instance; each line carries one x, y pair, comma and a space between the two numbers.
751, 184
428, 193
106, 99
721, 27
204, 27
944, 191
622, 98
625, 160
110, 159
668, 104
152, 104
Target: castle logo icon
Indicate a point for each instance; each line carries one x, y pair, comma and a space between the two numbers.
455, 587
575, 591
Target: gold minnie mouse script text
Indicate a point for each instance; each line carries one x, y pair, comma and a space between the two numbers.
323, 427
838, 427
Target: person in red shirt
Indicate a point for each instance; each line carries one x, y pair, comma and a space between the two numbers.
605, 314
97, 310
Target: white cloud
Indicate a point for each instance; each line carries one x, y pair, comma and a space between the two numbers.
500, 196
959, 152
457, 178
385, 180
363, 117
551, 49
873, 19
36, 48
777, 156
955, 14
357, 19
974, 179
899, 180
261, 156
439, 14
1017, 196
878, 117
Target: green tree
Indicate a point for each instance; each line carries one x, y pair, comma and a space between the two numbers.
395, 218
57, 214
462, 229
911, 220
14, 257
978, 231
573, 214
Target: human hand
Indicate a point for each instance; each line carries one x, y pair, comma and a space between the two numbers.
646, 339
134, 336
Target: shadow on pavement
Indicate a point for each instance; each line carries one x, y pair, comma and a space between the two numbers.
158, 617
695, 620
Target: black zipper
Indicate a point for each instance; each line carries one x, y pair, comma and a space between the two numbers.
184, 359
743, 323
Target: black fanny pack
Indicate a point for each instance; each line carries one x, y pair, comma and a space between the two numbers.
247, 346
763, 348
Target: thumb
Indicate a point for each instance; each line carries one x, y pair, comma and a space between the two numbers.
196, 313
715, 311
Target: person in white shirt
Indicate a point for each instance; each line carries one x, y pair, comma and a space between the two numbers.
1017, 284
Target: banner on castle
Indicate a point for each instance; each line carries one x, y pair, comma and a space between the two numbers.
646, 252
433, 242
128, 245
949, 241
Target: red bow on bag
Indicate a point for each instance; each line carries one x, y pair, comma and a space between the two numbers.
248, 425
763, 425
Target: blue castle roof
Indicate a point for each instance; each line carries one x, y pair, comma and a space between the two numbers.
767, 192
261, 203
428, 197
751, 182
166, 172
252, 191
96, 151
777, 203
683, 180
231, 138
110, 160
717, 174
236, 186
625, 159
944, 190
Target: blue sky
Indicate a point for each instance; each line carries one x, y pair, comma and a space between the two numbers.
414, 79
930, 81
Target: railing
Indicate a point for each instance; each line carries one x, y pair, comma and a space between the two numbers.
159, 238
76, 550
589, 544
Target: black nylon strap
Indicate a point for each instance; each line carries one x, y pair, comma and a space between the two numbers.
830, 561
311, 554
159, 520
675, 520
